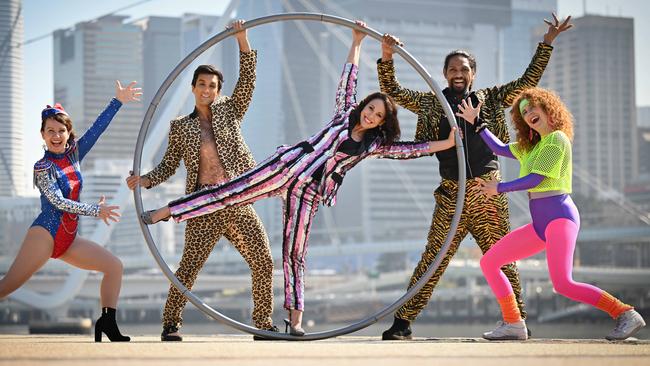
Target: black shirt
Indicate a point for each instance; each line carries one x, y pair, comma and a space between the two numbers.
350, 147
479, 159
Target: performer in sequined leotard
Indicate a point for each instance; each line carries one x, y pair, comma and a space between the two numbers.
54, 232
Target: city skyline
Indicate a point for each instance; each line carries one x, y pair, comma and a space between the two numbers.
38, 55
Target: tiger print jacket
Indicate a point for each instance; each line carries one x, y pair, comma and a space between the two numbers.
430, 113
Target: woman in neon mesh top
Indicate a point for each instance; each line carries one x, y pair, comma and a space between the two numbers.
310, 172
544, 132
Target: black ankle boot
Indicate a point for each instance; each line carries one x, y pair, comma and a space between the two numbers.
400, 330
167, 336
106, 324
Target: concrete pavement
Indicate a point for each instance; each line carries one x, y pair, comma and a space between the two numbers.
341, 351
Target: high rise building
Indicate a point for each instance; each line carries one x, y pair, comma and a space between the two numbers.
592, 70
643, 126
643, 116
88, 58
520, 37
12, 169
161, 51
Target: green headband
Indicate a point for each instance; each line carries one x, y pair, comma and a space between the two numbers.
524, 102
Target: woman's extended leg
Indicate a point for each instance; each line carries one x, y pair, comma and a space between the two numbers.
88, 255
267, 179
33, 254
561, 235
301, 204
520, 243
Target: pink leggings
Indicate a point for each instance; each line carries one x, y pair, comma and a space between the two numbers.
561, 235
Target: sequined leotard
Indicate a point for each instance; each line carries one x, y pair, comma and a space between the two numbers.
58, 178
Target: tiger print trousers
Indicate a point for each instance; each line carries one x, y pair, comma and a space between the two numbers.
486, 219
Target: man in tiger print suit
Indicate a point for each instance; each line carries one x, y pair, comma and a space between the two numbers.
485, 218
210, 143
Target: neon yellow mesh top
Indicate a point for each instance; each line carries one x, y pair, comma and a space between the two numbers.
551, 157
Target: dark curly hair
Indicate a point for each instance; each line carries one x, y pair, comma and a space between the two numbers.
560, 119
389, 130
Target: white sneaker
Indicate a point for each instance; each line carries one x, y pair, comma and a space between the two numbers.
627, 324
508, 332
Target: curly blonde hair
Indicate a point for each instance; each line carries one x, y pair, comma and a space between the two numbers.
560, 119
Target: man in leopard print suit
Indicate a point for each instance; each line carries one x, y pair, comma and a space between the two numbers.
210, 143
486, 219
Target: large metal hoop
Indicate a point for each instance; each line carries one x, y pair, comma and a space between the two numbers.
334, 332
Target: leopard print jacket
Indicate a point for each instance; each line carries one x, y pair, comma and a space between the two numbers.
227, 115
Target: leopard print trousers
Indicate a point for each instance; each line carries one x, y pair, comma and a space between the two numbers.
244, 229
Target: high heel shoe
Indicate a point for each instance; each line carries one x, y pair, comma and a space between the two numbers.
147, 217
294, 331
106, 324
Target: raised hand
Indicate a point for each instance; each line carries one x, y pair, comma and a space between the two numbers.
387, 43
555, 28
108, 212
355, 48
128, 94
357, 35
238, 25
467, 111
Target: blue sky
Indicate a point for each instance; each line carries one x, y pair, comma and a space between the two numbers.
39, 21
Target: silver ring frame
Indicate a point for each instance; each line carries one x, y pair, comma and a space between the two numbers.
324, 334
